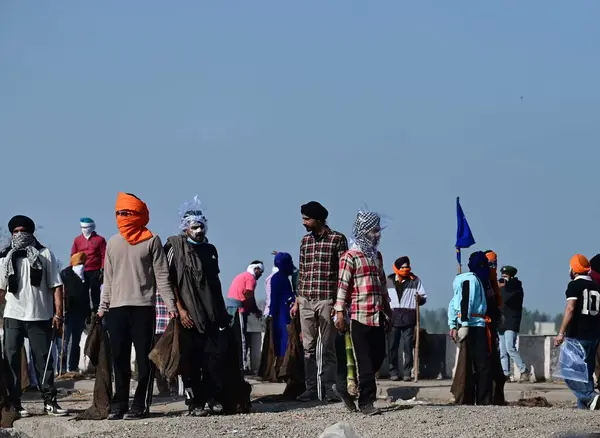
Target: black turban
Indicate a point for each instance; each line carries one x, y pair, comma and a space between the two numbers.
595, 263
314, 210
400, 261
21, 221
509, 270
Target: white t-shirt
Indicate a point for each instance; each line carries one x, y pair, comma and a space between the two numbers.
31, 303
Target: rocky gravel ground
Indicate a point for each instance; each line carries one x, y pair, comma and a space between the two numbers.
299, 420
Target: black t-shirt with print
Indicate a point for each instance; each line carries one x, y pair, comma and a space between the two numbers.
585, 324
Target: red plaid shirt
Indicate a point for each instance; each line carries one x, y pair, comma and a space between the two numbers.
319, 264
363, 283
162, 315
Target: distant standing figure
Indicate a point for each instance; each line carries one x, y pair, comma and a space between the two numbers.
512, 308
404, 317
94, 247
282, 298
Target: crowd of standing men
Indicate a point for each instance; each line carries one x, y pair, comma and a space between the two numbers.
345, 305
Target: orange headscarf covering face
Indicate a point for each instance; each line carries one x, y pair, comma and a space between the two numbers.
493, 259
133, 227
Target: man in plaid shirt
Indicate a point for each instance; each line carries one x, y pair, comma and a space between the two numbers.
165, 387
320, 253
362, 281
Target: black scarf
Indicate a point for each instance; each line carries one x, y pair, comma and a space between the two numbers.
206, 307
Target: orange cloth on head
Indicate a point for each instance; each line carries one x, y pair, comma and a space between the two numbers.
404, 272
580, 264
78, 258
493, 257
133, 228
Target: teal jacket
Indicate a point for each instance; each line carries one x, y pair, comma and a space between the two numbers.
477, 303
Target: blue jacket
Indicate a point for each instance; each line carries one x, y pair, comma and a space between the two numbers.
477, 302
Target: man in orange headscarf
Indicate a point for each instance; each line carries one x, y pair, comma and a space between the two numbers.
135, 266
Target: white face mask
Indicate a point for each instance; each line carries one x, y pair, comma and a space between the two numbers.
87, 232
78, 269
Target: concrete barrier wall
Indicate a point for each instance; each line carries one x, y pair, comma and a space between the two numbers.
437, 356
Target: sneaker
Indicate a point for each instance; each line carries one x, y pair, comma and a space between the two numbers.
394, 378
407, 379
370, 410
197, 411
331, 396
22, 412
135, 414
345, 397
116, 415
594, 405
52, 408
525, 376
307, 396
215, 406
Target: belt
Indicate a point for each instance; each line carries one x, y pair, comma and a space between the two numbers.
488, 332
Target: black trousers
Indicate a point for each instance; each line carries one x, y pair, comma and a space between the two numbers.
404, 338
95, 282
204, 368
40, 338
369, 353
127, 325
479, 359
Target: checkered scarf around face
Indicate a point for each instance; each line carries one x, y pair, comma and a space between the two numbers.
364, 223
23, 244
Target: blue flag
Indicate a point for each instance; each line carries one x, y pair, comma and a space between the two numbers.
464, 236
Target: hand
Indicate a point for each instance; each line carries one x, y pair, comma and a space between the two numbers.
258, 314
99, 315
57, 323
559, 339
340, 321
453, 334
186, 321
173, 315
294, 310
388, 322
463, 332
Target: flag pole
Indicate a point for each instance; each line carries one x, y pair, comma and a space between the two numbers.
417, 338
458, 263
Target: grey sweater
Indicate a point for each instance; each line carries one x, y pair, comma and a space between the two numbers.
133, 272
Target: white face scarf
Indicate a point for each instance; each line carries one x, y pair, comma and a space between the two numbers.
78, 270
88, 230
251, 268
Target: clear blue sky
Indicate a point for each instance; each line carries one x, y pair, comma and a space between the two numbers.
260, 106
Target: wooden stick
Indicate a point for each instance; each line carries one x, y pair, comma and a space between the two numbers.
417, 338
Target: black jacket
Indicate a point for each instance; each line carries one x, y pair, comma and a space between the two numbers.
77, 292
512, 308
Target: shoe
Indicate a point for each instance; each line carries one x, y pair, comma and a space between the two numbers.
594, 405
307, 396
215, 406
197, 411
394, 378
115, 415
52, 408
370, 410
135, 414
525, 376
23, 413
345, 397
407, 379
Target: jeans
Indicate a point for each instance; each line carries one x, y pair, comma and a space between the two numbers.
508, 351
585, 392
71, 351
401, 337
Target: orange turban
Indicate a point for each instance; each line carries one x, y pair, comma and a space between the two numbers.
580, 264
133, 226
78, 258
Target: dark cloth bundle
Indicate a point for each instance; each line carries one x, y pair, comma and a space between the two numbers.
97, 349
292, 368
167, 354
266, 369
